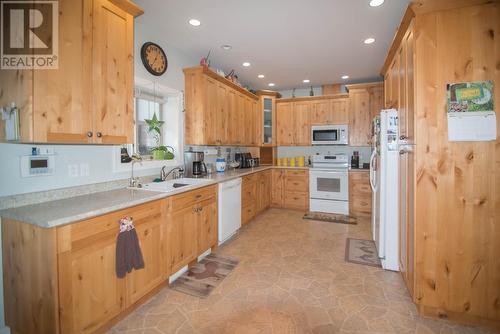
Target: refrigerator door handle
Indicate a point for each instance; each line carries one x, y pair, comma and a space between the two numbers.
372, 171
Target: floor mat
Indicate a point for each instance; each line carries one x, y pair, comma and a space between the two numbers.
331, 218
201, 279
362, 252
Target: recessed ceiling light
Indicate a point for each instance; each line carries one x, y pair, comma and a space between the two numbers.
226, 47
345, 77
260, 76
194, 22
369, 40
306, 81
376, 3
246, 64
271, 84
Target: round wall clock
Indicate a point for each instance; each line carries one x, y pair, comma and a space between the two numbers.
154, 58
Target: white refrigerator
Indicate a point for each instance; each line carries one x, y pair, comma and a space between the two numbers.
384, 180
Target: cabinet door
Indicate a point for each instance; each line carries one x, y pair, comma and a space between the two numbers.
376, 100
207, 225
359, 118
277, 188
113, 68
151, 235
210, 111
241, 133
321, 112
62, 109
182, 238
232, 117
302, 120
91, 294
249, 127
222, 115
257, 135
339, 111
285, 124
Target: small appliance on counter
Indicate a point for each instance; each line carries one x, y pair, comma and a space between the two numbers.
194, 164
355, 159
243, 159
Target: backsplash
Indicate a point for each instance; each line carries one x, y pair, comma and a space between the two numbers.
210, 158
293, 151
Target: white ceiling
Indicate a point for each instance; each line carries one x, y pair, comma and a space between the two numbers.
286, 40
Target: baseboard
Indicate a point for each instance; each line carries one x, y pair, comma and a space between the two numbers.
5, 330
459, 317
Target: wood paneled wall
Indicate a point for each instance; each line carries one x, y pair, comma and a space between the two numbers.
458, 183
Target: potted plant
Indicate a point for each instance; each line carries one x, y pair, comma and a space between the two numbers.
155, 125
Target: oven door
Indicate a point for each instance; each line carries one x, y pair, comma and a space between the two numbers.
325, 136
329, 184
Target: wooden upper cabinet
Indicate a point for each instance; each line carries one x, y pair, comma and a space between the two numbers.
330, 111
62, 102
302, 120
285, 124
113, 68
365, 102
218, 112
321, 112
89, 98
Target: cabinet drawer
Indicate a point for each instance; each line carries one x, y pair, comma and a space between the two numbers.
361, 189
297, 184
296, 173
181, 201
360, 176
107, 225
296, 200
247, 213
249, 178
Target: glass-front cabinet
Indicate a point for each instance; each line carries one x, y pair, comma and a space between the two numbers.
268, 117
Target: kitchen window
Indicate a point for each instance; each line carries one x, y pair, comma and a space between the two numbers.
145, 109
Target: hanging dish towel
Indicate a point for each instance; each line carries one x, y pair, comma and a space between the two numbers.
128, 250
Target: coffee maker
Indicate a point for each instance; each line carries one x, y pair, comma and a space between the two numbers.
194, 164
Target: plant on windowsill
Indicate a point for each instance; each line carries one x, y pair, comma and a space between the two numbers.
160, 152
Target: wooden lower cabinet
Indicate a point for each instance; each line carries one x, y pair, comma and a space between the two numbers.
192, 226
63, 279
360, 194
290, 189
255, 195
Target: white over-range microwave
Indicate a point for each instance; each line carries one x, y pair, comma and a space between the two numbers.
329, 134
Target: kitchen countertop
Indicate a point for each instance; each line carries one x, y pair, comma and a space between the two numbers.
73, 209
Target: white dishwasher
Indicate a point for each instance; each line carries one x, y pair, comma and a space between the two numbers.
229, 209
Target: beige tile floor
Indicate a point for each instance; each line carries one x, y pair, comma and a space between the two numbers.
292, 278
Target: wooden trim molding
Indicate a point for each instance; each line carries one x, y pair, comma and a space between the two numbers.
268, 93
313, 98
128, 6
400, 33
364, 85
219, 78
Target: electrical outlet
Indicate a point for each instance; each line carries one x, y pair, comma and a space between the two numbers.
84, 169
73, 170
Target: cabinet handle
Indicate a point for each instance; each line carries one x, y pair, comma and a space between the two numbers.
198, 196
89, 134
99, 135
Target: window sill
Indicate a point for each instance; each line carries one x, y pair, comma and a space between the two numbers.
156, 165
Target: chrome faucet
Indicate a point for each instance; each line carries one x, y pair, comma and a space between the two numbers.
178, 173
134, 181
